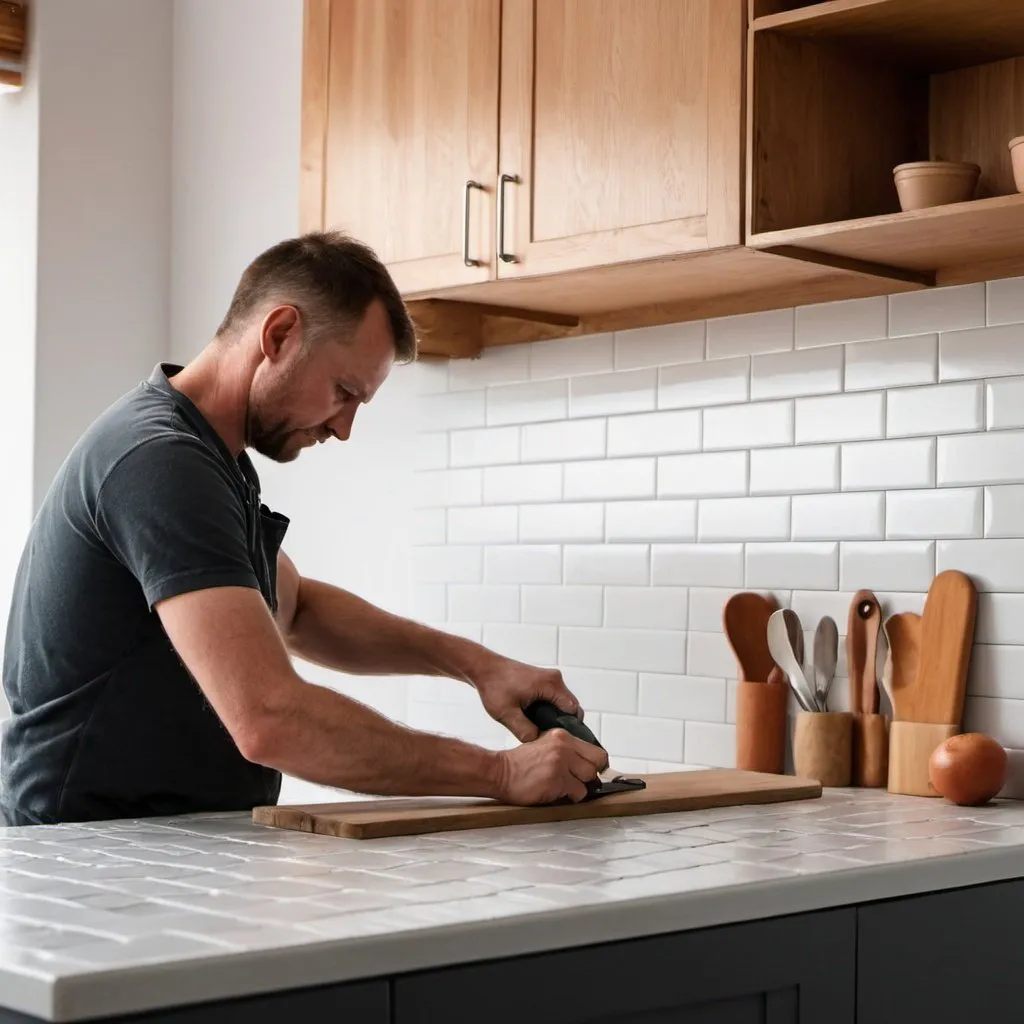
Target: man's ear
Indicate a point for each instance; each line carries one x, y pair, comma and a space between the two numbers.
280, 326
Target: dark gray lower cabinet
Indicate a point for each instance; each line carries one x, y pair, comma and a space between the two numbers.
944, 957
794, 970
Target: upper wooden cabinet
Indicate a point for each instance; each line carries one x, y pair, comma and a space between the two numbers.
476, 140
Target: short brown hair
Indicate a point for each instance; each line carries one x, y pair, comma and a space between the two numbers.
329, 277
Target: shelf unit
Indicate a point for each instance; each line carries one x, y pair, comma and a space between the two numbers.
841, 92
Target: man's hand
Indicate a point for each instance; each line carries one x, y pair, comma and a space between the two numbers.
555, 766
506, 687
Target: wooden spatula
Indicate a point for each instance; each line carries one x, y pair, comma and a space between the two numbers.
861, 647
903, 631
947, 637
745, 621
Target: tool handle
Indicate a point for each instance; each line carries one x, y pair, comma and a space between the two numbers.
546, 716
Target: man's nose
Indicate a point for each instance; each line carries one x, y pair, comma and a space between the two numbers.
341, 425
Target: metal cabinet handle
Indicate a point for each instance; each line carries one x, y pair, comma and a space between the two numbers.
505, 257
470, 185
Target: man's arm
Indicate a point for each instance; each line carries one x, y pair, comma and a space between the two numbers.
228, 641
328, 626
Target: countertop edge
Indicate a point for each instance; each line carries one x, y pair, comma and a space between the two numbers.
190, 981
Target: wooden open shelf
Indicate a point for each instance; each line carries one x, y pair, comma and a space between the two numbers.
931, 35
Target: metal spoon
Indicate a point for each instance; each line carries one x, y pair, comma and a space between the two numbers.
826, 654
781, 645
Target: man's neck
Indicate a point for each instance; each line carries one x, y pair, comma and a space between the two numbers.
217, 386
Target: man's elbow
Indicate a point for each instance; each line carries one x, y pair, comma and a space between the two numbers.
261, 732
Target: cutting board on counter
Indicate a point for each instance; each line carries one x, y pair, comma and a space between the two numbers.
671, 791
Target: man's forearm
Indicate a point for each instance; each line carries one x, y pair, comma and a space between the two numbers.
341, 631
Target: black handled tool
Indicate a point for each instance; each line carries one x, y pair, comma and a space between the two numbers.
546, 716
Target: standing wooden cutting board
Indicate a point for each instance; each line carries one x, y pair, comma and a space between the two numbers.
675, 791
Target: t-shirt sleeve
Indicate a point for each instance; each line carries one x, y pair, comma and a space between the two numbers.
169, 512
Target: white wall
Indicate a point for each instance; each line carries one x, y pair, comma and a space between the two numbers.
235, 187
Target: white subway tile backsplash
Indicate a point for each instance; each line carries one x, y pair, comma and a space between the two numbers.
941, 409
499, 364
721, 519
986, 352
491, 446
892, 364
602, 689
706, 474
508, 484
490, 525
934, 514
748, 426
559, 442
711, 744
442, 564
698, 385
632, 736
887, 565
536, 645
563, 606
995, 565
697, 565
939, 309
817, 371
794, 470
428, 525
706, 605
645, 607
685, 697
450, 411
429, 602
540, 563
1004, 403
1004, 511
655, 433
813, 605
566, 357
664, 520
834, 323
469, 602
794, 566
751, 333
1002, 718
447, 487
527, 403
1000, 619
1006, 301
997, 672
639, 650
612, 394
430, 375
843, 418
566, 522
607, 563
431, 451
994, 458
709, 654
611, 478
660, 346
859, 516
881, 465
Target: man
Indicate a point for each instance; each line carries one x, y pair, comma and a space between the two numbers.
147, 655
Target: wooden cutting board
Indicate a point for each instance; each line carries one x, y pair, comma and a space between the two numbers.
672, 791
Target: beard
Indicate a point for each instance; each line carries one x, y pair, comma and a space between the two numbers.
267, 430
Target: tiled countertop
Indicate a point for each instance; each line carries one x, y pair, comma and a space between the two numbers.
124, 916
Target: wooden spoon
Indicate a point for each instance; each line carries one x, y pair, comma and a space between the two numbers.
904, 634
745, 621
861, 648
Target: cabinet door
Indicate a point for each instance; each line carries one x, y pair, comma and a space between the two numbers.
622, 120
411, 116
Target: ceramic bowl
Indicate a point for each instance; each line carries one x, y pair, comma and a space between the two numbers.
935, 183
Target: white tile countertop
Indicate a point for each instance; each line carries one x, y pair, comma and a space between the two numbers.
125, 916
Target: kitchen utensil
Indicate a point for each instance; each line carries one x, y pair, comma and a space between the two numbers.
903, 632
665, 793
947, 637
822, 746
883, 669
745, 621
968, 769
910, 748
1017, 159
927, 183
861, 645
780, 626
762, 725
546, 715
826, 654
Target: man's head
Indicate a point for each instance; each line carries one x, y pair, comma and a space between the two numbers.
328, 324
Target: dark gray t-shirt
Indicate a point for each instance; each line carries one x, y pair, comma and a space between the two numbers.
106, 721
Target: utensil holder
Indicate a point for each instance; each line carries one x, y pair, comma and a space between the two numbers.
823, 746
870, 750
761, 710
910, 746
